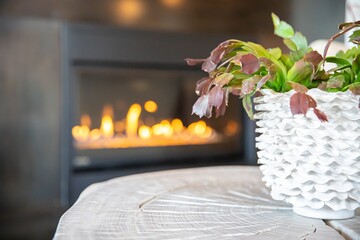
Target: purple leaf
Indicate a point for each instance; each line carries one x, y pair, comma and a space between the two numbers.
203, 86
320, 115
220, 111
248, 85
262, 81
313, 57
208, 65
312, 102
269, 65
299, 103
216, 55
192, 62
201, 107
216, 96
249, 63
298, 87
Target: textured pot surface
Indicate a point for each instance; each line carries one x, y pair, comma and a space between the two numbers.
308, 163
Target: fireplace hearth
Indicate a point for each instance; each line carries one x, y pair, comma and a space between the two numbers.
127, 100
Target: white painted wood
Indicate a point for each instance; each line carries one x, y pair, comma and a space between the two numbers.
349, 228
201, 203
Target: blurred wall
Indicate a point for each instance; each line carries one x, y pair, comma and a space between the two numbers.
29, 124
317, 19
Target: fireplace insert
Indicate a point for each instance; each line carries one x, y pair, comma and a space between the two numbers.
127, 99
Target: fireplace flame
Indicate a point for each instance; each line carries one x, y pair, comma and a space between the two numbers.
107, 126
132, 120
133, 132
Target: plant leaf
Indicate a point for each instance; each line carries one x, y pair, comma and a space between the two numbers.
248, 86
356, 64
262, 81
322, 86
269, 65
300, 71
313, 57
281, 28
215, 57
299, 40
298, 87
247, 104
290, 44
287, 60
249, 63
203, 86
201, 107
275, 52
193, 62
355, 37
256, 49
335, 82
299, 103
322, 116
223, 79
340, 62
275, 19
355, 88
216, 96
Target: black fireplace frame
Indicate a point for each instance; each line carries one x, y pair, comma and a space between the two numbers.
104, 46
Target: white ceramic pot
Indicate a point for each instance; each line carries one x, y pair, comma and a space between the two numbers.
313, 165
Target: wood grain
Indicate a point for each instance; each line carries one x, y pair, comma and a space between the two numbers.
202, 203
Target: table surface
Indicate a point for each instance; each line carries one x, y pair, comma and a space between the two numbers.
201, 203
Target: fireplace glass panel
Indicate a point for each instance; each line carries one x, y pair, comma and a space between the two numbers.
130, 116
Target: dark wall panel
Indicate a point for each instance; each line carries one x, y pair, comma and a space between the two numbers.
29, 114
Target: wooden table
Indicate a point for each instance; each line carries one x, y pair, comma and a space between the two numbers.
201, 203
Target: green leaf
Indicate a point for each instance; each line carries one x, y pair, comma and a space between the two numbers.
275, 52
300, 71
332, 90
238, 78
297, 42
299, 54
300, 41
281, 28
350, 54
287, 60
247, 104
223, 79
290, 44
340, 62
275, 19
355, 37
262, 71
256, 49
240, 75
357, 79
271, 84
356, 64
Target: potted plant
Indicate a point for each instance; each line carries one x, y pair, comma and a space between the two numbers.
307, 115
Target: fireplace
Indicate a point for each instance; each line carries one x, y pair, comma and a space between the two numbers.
127, 107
